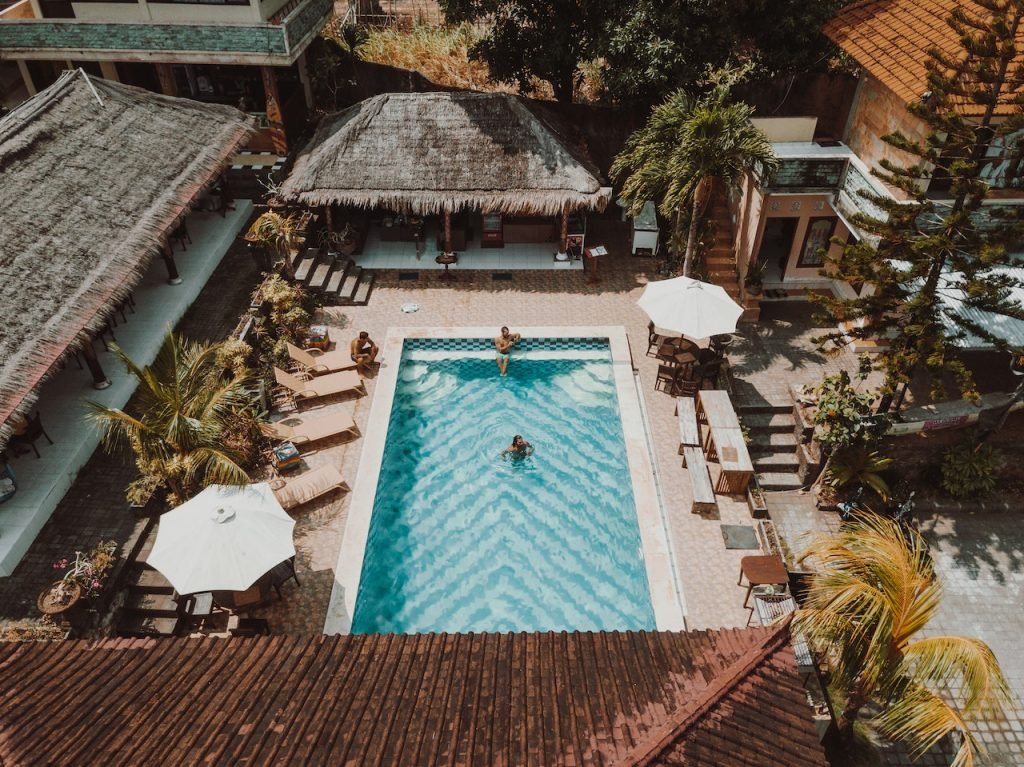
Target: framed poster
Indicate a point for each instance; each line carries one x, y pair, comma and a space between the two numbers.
816, 241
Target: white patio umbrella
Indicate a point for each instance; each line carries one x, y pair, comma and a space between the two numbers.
224, 539
690, 307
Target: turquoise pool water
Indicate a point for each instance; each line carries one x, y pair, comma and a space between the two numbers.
464, 540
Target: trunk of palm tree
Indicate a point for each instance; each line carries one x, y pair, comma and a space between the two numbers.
691, 236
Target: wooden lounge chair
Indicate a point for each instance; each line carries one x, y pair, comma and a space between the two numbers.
292, 493
300, 431
345, 382
318, 362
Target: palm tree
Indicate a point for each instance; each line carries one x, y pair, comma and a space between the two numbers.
685, 146
874, 592
186, 435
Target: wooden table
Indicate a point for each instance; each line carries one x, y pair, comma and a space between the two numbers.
762, 571
715, 408
725, 441
729, 447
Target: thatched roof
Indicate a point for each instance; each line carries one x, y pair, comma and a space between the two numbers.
93, 174
430, 152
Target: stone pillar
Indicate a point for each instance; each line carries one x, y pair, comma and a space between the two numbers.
168, 85
274, 118
99, 378
26, 77
447, 231
172, 270
109, 71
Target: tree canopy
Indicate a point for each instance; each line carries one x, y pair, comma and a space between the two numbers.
648, 47
542, 39
686, 144
931, 258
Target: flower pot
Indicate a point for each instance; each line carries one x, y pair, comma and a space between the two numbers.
60, 596
757, 503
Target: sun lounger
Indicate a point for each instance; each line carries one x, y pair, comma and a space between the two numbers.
304, 488
318, 362
347, 381
299, 431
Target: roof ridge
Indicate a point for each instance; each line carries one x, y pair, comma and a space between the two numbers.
676, 724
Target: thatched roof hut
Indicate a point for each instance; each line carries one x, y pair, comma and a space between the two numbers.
93, 176
432, 152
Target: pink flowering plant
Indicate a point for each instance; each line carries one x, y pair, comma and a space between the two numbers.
88, 570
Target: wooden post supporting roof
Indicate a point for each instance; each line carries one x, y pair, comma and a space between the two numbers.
99, 378
168, 85
447, 231
563, 235
173, 278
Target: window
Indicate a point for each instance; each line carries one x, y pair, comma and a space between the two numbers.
816, 241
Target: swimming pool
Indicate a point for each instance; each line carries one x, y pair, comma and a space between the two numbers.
458, 538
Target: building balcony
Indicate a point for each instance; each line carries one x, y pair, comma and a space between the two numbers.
277, 42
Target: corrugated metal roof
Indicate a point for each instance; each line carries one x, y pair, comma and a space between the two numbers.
1009, 329
723, 698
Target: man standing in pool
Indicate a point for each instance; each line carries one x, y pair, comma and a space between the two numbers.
504, 344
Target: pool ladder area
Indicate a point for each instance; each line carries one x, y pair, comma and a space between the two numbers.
660, 495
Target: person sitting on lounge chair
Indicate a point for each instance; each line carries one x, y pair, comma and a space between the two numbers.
363, 351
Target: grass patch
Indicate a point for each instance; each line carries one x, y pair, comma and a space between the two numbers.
439, 53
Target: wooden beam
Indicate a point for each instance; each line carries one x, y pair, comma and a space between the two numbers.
173, 278
447, 231
99, 378
168, 85
563, 236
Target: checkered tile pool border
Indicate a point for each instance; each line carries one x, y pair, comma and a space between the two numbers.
487, 344
241, 164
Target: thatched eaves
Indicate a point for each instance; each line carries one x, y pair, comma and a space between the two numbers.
430, 152
93, 176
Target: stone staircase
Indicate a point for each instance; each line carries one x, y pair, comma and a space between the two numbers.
340, 280
720, 261
150, 607
774, 445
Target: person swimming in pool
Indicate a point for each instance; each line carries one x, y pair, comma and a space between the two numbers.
503, 344
519, 448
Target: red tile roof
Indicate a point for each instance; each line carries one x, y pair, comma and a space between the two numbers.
891, 39
726, 698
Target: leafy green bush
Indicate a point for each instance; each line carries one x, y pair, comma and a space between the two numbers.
970, 469
854, 466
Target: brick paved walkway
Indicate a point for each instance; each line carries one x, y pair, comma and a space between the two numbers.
95, 507
980, 559
707, 569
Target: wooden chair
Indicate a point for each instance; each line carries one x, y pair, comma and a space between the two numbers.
720, 344
33, 431
667, 377
654, 339
709, 371
687, 387
282, 573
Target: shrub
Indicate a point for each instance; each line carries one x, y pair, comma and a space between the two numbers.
969, 468
859, 466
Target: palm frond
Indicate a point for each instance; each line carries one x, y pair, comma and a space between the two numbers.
960, 663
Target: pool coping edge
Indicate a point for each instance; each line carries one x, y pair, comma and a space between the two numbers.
666, 603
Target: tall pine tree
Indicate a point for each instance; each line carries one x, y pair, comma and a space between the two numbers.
930, 251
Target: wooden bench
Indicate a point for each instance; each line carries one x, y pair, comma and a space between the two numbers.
689, 429
700, 480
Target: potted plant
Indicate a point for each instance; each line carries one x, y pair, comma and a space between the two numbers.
277, 236
754, 280
756, 501
82, 579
